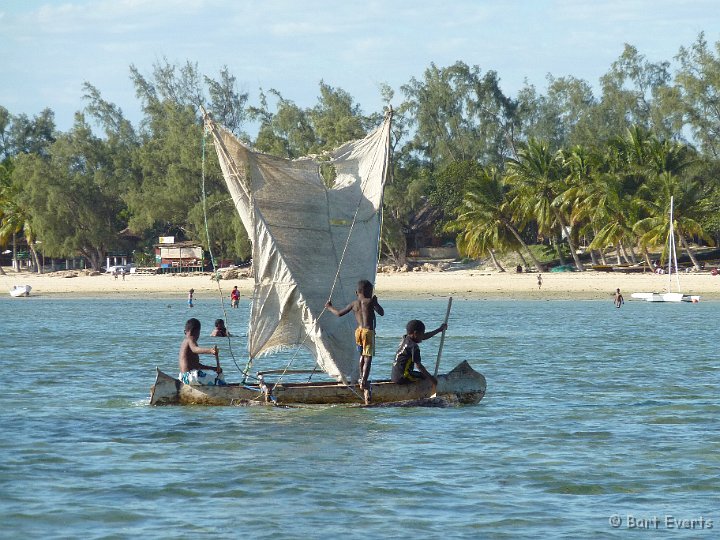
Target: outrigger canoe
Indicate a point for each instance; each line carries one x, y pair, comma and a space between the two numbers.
313, 224
462, 385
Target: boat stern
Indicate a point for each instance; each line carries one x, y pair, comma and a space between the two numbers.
165, 391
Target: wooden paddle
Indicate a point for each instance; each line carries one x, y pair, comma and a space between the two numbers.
217, 359
442, 337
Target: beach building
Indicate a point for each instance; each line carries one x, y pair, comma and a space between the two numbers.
184, 256
424, 240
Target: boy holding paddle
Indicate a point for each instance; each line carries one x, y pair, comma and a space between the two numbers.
191, 370
407, 357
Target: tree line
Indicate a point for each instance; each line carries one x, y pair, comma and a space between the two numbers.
568, 167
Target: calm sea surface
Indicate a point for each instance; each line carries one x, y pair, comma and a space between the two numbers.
593, 415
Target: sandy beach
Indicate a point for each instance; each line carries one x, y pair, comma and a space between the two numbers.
466, 283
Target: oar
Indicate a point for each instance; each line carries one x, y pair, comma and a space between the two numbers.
442, 337
217, 361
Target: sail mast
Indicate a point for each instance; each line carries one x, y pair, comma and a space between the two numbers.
672, 256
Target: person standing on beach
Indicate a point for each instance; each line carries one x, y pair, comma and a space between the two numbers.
539, 281
190, 297
234, 297
618, 298
364, 308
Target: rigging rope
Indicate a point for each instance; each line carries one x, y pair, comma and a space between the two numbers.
216, 277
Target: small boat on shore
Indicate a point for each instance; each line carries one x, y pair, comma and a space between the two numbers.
463, 385
20, 290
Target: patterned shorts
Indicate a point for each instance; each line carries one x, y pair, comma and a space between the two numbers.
365, 340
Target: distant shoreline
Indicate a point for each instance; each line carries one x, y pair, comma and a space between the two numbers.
470, 284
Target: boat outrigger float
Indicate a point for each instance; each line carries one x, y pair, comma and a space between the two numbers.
462, 385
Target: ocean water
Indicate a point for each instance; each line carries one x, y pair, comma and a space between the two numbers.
597, 421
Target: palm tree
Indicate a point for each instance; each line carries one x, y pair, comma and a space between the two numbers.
15, 220
603, 191
484, 220
667, 164
584, 194
5, 168
537, 177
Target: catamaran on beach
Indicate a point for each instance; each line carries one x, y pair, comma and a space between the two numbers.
672, 270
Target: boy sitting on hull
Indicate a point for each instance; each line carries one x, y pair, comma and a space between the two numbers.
191, 370
364, 308
407, 356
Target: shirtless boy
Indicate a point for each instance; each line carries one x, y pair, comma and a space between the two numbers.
191, 370
364, 308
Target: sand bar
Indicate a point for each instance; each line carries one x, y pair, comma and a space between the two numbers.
466, 283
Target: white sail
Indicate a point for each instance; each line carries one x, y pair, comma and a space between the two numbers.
308, 240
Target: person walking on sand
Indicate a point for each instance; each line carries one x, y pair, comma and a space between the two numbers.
618, 298
364, 308
190, 297
539, 281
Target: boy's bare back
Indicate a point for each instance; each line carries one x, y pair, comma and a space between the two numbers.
364, 309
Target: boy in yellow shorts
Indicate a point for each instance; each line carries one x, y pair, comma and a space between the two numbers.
364, 308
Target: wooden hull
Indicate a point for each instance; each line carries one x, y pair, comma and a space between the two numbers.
462, 385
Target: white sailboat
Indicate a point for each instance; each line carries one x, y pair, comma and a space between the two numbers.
672, 268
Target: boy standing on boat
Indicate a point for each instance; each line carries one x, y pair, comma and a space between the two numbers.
407, 357
191, 370
364, 308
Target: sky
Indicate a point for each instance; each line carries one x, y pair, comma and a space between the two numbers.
48, 49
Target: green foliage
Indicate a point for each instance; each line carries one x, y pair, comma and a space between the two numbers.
22, 135
450, 184
562, 117
698, 83
503, 169
228, 239
72, 206
171, 169
460, 115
